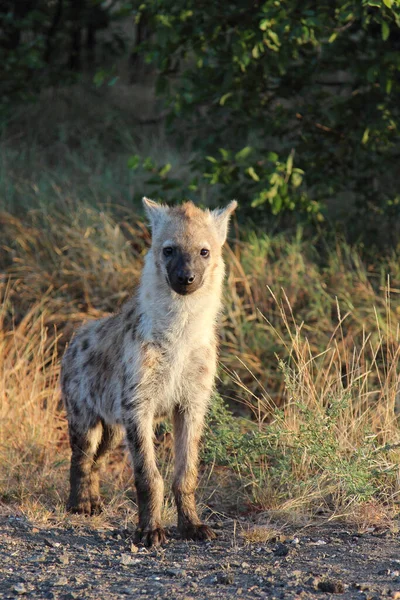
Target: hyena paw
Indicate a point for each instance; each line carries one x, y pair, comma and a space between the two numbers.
150, 537
81, 507
199, 533
96, 507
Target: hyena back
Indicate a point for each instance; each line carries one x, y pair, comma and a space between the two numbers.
156, 358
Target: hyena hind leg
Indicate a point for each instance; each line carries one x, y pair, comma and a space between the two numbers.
89, 451
110, 439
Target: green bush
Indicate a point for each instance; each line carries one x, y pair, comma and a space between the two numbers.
289, 105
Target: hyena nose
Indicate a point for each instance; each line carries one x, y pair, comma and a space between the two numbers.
186, 278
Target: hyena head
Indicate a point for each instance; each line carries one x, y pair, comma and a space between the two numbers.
187, 243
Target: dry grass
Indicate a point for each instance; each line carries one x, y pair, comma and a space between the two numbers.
332, 450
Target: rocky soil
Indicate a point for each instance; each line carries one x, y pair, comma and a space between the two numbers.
82, 563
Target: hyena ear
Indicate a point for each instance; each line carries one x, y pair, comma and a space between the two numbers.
221, 218
154, 211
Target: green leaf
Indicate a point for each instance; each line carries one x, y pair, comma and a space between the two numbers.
274, 37
365, 136
224, 98
332, 37
250, 171
134, 162
149, 164
385, 31
243, 153
99, 78
296, 180
388, 3
289, 164
166, 169
224, 153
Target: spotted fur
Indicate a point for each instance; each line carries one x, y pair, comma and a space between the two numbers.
156, 358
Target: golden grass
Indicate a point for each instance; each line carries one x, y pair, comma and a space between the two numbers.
322, 342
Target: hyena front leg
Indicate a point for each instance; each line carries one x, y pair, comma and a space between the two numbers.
148, 481
188, 425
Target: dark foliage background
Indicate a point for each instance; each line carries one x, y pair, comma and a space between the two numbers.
291, 107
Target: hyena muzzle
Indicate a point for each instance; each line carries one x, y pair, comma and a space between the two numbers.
156, 358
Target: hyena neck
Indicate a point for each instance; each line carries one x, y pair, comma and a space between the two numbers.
166, 314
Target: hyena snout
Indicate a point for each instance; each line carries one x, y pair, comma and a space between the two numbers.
186, 277
185, 274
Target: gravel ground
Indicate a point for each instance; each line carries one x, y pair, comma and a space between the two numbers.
82, 563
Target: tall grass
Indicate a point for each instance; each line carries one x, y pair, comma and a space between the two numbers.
314, 377
334, 446
309, 362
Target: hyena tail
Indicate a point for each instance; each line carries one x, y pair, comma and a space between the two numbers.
90, 448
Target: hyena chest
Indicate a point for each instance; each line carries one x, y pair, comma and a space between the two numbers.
165, 375
173, 374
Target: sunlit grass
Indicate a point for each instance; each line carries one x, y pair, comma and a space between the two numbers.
309, 353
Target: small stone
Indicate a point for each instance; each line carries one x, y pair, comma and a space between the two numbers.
61, 581
281, 550
362, 586
331, 586
318, 543
193, 585
297, 574
127, 560
225, 578
176, 572
134, 549
51, 544
64, 559
20, 588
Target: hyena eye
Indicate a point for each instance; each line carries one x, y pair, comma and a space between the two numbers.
168, 251
204, 252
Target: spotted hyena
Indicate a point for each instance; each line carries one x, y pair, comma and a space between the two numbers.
155, 358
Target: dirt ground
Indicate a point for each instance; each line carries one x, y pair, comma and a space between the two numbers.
83, 563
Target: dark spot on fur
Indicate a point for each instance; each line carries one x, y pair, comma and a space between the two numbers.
85, 344
75, 409
112, 400
129, 314
64, 379
104, 327
133, 439
126, 400
92, 359
105, 363
139, 469
124, 378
